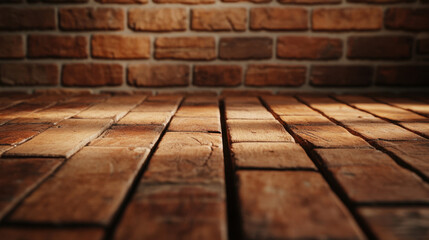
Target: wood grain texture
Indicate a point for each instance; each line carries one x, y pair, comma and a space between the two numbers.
62, 140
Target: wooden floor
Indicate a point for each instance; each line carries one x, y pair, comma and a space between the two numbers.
91, 167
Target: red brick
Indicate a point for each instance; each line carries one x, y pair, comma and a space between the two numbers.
423, 46
131, 47
91, 19
341, 75
217, 75
157, 19
296, 47
406, 75
344, 19
11, 46
13, 134
45, 46
245, 48
80, 74
412, 19
161, 75
308, 1
123, 1
185, 1
186, 48
275, 75
27, 74
278, 19
221, 19
385, 47
27, 18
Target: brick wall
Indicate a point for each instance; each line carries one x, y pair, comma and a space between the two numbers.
215, 44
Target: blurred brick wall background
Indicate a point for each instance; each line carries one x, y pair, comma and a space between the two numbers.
309, 45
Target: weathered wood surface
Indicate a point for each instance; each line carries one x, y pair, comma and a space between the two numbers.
62, 140
287, 167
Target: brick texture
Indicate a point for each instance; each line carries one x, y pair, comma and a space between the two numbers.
245, 48
346, 19
27, 74
107, 46
217, 75
341, 75
186, 48
80, 74
203, 44
11, 46
309, 48
29, 18
412, 19
165, 75
413, 75
390, 47
157, 20
275, 75
229, 19
278, 19
91, 19
45, 46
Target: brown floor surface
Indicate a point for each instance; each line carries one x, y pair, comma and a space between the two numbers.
206, 167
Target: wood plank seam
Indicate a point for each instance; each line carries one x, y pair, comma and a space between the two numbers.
111, 228
397, 159
395, 122
335, 187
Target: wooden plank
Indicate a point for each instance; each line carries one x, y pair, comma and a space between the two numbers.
189, 164
292, 205
175, 212
257, 131
13, 134
306, 120
189, 124
247, 111
397, 223
329, 106
19, 176
183, 190
87, 189
178, 140
328, 136
34, 233
384, 131
417, 127
62, 140
129, 136
381, 109
115, 107
54, 114
206, 110
287, 105
156, 106
370, 176
201, 100
407, 103
21, 110
146, 118
414, 153
4, 148
270, 155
